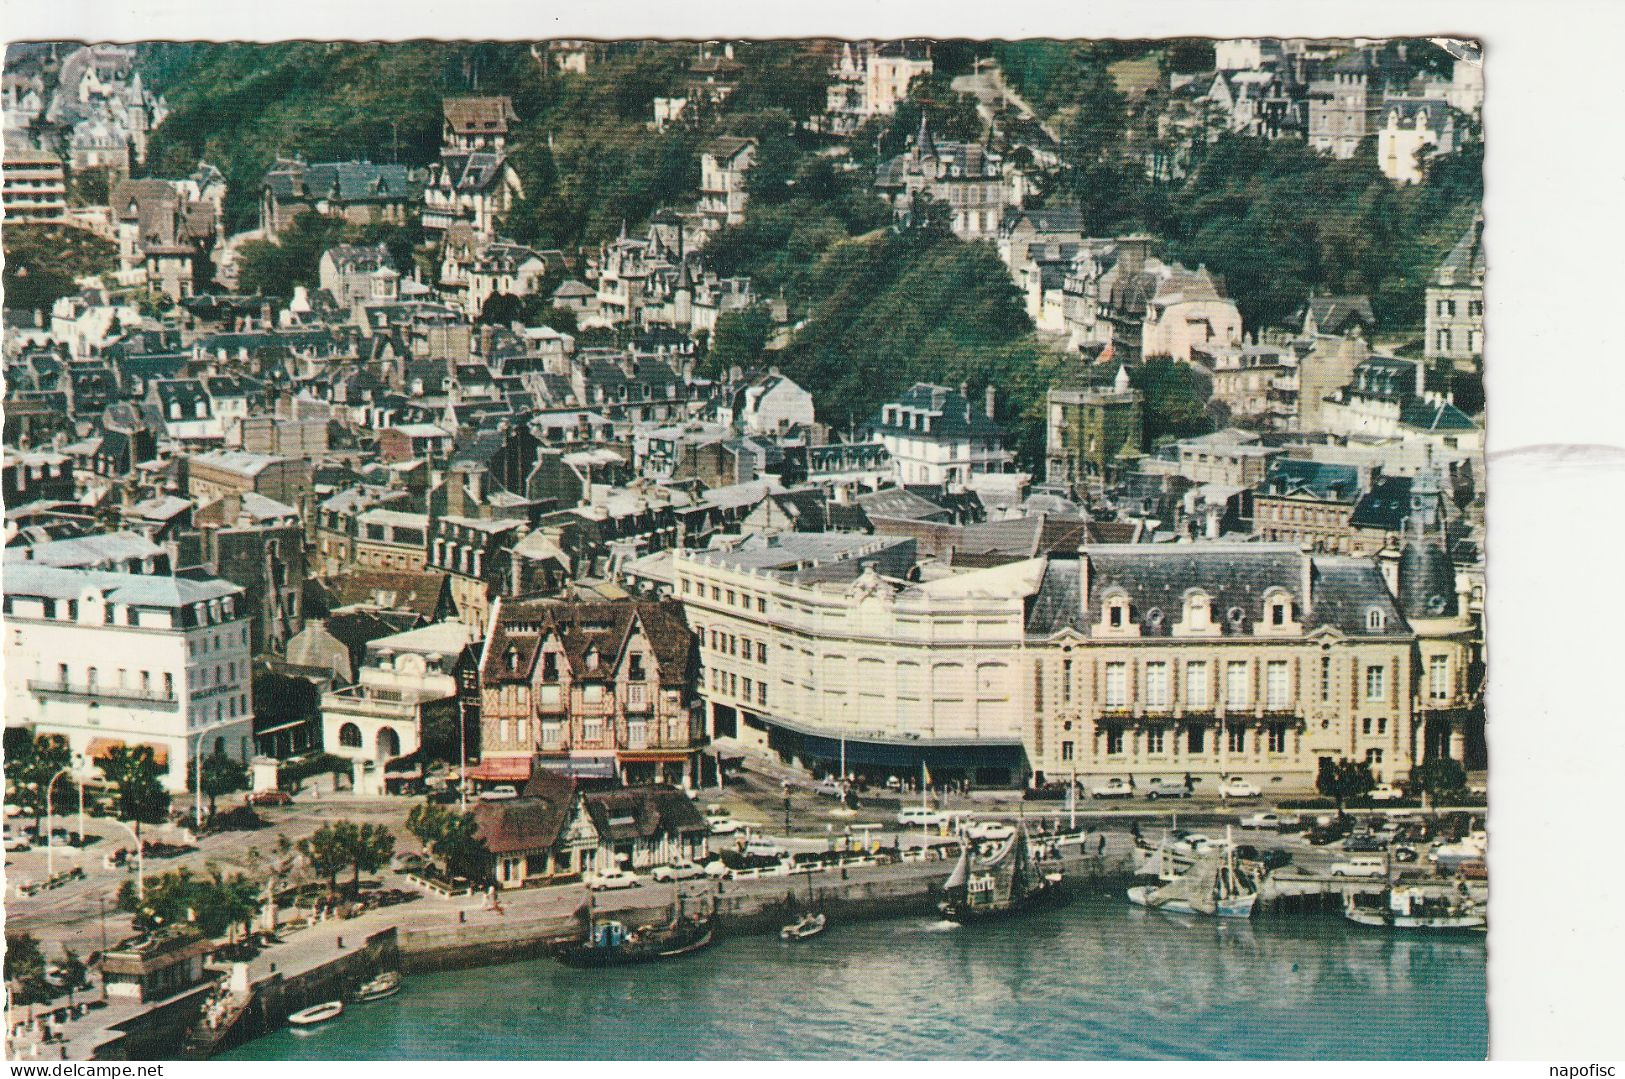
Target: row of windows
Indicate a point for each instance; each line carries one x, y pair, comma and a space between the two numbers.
1155, 687
731, 645
144, 683
204, 645
1447, 308
742, 600
732, 684
1444, 340
1159, 739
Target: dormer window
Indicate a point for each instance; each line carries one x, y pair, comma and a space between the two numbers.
550, 667
513, 660
1375, 620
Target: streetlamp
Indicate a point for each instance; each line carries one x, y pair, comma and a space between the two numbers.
140, 859
50, 843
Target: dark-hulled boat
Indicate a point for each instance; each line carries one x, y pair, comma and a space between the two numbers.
610, 944
1009, 882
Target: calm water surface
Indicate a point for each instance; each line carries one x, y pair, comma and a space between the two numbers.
1097, 980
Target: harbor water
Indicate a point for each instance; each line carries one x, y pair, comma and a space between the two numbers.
1096, 980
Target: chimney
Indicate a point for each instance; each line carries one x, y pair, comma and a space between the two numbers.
992, 400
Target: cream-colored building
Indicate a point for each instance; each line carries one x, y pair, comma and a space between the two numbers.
1258, 660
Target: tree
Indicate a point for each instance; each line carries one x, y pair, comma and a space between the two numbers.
1175, 407
221, 776
370, 850
25, 970
1343, 780
328, 851
74, 977
501, 309
135, 772
740, 338
452, 837
1441, 776
30, 766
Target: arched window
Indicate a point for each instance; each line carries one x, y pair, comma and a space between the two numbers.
350, 736
1374, 619
389, 743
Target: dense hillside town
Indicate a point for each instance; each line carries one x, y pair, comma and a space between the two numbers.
550, 429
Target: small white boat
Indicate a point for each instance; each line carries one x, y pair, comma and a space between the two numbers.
1409, 907
808, 925
1214, 886
321, 1013
386, 984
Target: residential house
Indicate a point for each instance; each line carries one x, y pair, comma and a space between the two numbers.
359, 192
1455, 304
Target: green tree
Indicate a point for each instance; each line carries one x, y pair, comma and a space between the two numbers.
25, 970
328, 850
740, 339
30, 766
370, 850
1439, 778
221, 776
135, 772
1175, 401
74, 975
1344, 780
451, 837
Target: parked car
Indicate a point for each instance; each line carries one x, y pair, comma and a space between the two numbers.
1116, 787
1386, 792
1270, 859
993, 830
1262, 820
270, 798
1172, 788
677, 871
1404, 854
1360, 865
1047, 792
408, 862
827, 787
763, 847
499, 793
1322, 834
613, 879
1237, 787
721, 824
1365, 842
920, 816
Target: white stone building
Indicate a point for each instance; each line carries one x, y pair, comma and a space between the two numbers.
122, 659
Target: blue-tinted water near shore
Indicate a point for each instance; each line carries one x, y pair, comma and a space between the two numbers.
1097, 980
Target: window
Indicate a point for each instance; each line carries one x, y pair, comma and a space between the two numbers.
1116, 614
761, 605
550, 666
1278, 614
1277, 736
1365, 725
1373, 757
733, 685
1066, 681
635, 669
747, 688
761, 693
716, 593
1382, 726
1438, 677
1154, 740
1374, 619
731, 597
592, 730
350, 735
1114, 741
1325, 678
592, 693
1376, 683
1475, 308
169, 685
1156, 685
1194, 740
1275, 683
1196, 684
1444, 340
686, 584
1066, 751
761, 652
1116, 685
1238, 739
1235, 684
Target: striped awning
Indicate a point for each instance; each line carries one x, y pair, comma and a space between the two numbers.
102, 748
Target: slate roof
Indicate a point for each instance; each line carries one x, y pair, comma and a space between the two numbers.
478, 115
952, 416
725, 149
902, 504
1435, 417
1157, 578
606, 627
643, 813
1385, 506
136, 589
348, 181
1334, 314
1313, 479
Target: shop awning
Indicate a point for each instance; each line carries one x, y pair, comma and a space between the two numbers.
102, 748
656, 756
583, 767
501, 770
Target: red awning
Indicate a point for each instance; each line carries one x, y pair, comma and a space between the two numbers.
501, 769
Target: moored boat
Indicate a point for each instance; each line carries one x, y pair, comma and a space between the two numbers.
610, 944
1412, 907
320, 1013
808, 925
1213, 886
386, 984
1008, 882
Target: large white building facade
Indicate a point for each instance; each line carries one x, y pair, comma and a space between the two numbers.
1156, 662
121, 659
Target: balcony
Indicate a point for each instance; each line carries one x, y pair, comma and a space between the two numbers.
356, 702
100, 694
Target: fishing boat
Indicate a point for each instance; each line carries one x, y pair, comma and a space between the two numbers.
1411, 907
609, 943
808, 925
1008, 882
386, 984
1212, 886
321, 1013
